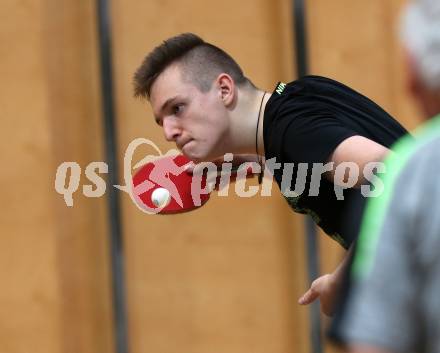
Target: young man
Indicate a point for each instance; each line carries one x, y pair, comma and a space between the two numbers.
206, 105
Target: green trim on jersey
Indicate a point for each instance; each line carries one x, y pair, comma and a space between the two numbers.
376, 208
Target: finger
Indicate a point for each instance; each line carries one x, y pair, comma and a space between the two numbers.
189, 167
309, 297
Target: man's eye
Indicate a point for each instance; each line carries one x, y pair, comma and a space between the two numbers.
177, 109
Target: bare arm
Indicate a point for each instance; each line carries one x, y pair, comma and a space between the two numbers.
357, 149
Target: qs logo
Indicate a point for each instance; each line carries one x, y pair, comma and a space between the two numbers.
68, 175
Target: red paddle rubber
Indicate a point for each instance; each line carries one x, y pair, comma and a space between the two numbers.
169, 173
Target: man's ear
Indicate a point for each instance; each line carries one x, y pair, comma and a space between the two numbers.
426, 97
413, 82
226, 87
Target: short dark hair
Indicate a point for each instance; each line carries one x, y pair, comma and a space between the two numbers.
201, 63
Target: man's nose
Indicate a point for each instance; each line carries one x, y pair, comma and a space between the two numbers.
171, 129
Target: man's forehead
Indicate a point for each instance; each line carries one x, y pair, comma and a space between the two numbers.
167, 85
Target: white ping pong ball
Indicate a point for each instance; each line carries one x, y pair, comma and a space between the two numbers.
161, 197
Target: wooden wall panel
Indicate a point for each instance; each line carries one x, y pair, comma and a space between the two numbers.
54, 274
29, 295
357, 43
70, 51
225, 277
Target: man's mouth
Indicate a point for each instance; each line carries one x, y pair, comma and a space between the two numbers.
182, 145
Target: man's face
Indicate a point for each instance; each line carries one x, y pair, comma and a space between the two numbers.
196, 121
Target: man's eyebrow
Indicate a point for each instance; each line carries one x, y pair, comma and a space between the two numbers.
164, 106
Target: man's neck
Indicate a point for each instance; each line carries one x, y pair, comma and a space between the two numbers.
249, 111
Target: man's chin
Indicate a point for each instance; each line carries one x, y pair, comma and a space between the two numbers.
197, 157
188, 153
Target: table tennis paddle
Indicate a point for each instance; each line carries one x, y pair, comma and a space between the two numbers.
163, 187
